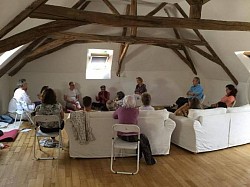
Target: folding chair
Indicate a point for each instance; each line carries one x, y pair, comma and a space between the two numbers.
20, 112
39, 134
117, 143
203, 99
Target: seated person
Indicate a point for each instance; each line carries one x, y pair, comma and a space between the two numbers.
71, 97
230, 96
39, 96
218, 105
195, 91
140, 87
119, 98
50, 106
87, 104
128, 114
102, 98
193, 103
21, 101
111, 105
146, 100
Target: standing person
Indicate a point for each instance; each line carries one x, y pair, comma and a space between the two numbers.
140, 87
230, 96
21, 100
128, 114
50, 106
71, 97
146, 100
102, 97
196, 90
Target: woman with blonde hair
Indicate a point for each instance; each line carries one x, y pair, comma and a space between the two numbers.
128, 114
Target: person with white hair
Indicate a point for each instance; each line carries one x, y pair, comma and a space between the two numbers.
128, 114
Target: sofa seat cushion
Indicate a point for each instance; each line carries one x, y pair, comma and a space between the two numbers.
244, 108
196, 113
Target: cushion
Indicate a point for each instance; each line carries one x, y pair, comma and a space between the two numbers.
154, 113
195, 113
244, 108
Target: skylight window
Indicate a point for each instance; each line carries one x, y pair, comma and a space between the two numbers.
99, 62
5, 56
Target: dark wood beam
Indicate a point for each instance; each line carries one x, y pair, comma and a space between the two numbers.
85, 5
121, 58
36, 32
19, 56
213, 57
133, 12
138, 21
39, 55
20, 17
111, 7
195, 11
157, 9
126, 39
78, 4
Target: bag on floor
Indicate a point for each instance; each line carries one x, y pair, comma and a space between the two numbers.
6, 119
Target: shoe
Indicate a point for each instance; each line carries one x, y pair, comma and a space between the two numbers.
153, 162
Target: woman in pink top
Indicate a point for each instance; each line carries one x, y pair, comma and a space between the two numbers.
128, 114
230, 96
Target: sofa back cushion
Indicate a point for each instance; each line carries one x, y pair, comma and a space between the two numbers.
244, 108
154, 114
196, 113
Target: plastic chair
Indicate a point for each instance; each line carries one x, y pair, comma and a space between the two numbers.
117, 143
39, 134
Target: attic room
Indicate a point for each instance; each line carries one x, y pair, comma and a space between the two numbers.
166, 42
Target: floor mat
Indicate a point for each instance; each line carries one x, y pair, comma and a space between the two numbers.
9, 136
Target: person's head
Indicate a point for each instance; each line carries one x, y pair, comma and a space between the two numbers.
103, 88
194, 103
139, 80
129, 101
231, 90
222, 104
111, 105
146, 99
44, 88
71, 85
196, 81
120, 95
49, 97
22, 84
87, 102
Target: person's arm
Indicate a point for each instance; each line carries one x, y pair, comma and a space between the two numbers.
179, 111
115, 114
144, 88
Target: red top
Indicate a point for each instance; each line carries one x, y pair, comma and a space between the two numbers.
228, 100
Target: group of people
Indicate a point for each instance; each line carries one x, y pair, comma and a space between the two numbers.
195, 96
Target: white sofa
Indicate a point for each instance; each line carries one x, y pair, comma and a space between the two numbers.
156, 125
212, 129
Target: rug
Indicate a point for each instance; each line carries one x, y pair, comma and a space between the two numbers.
9, 136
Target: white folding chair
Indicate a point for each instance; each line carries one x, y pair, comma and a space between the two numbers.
39, 134
20, 113
117, 143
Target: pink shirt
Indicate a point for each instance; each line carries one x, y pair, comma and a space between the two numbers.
228, 100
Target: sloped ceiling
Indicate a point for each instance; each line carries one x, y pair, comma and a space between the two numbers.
13, 8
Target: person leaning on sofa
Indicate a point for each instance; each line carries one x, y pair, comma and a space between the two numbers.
193, 103
230, 96
128, 114
87, 104
146, 101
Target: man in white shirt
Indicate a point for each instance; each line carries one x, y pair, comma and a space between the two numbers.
21, 101
71, 97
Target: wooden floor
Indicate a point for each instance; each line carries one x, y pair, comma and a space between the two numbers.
229, 167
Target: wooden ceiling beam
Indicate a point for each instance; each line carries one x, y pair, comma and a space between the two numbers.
19, 56
213, 57
20, 17
138, 21
36, 32
85, 5
126, 39
157, 9
111, 7
78, 4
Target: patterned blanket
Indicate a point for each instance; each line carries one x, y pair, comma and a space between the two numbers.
81, 126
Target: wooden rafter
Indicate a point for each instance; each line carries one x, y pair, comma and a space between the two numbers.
214, 57
157, 9
78, 4
85, 5
36, 32
111, 7
133, 12
19, 56
186, 59
49, 11
20, 17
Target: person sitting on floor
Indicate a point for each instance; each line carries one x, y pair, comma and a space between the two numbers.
119, 98
39, 96
193, 103
146, 100
102, 98
71, 97
50, 106
218, 105
230, 96
87, 104
128, 114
